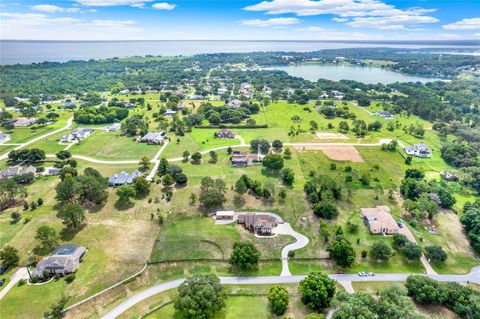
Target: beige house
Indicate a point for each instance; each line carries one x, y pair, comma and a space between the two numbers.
379, 220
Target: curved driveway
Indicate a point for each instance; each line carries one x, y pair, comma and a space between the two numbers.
473, 276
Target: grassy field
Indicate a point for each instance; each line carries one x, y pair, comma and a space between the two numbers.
236, 306
197, 140
120, 240
200, 237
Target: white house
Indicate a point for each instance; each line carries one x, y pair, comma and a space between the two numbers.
418, 150
153, 137
77, 135
4, 137
113, 127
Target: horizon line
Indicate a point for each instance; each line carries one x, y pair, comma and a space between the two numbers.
469, 42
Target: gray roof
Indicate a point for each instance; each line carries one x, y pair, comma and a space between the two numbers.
123, 178
153, 137
65, 259
17, 170
417, 147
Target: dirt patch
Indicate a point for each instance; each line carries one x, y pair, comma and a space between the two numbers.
450, 226
331, 136
334, 152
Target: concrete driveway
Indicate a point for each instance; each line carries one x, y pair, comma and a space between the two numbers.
21, 273
406, 231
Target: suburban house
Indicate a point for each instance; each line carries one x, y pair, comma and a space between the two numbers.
51, 171
260, 224
247, 94
225, 215
69, 104
17, 170
24, 121
4, 137
239, 158
180, 106
385, 115
124, 91
418, 150
123, 178
153, 137
234, 104
224, 133
379, 220
113, 127
128, 105
196, 97
170, 113
448, 176
64, 260
77, 135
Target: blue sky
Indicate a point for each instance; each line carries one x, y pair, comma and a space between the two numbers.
238, 20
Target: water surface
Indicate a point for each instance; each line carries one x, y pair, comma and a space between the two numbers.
24, 51
370, 75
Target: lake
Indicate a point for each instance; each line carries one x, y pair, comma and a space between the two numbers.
369, 75
24, 51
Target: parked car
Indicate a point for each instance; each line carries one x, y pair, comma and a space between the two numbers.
4, 269
371, 274
2, 282
400, 224
362, 274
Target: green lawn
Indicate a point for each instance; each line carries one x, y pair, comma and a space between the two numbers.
113, 146
197, 140
200, 237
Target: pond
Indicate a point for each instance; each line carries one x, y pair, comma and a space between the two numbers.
369, 75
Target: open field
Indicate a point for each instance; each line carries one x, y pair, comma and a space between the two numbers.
120, 241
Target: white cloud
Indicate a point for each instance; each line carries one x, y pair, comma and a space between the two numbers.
35, 19
43, 27
365, 13
164, 6
465, 24
398, 22
50, 8
138, 5
310, 29
47, 8
271, 22
114, 24
110, 3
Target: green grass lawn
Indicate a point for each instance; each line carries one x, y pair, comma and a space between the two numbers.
197, 140
200, 237
24, 134
113, 146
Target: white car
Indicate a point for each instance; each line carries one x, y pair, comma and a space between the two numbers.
362, 274
371, 274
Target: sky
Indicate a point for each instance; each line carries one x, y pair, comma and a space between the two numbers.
240, 20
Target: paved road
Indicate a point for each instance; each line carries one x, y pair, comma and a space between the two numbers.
21, 273
67, 126
473, 276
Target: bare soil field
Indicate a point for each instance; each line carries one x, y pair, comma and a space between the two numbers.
335, 152
331, 136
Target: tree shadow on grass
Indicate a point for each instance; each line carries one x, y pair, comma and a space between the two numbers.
123, 205
67, 234
270, 173
239, 201
42, 251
